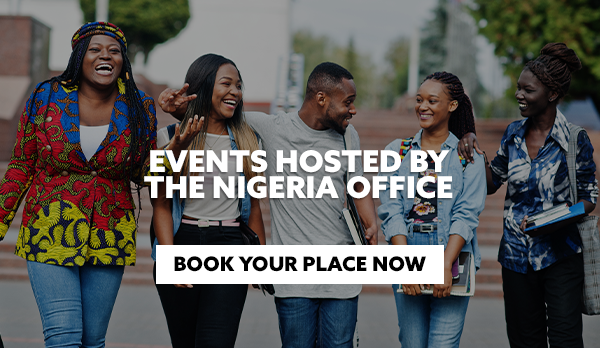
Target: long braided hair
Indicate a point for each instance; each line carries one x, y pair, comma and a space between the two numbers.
137, 116
554, 67
462, 120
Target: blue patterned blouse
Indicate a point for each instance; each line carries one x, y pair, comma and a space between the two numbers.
536, 185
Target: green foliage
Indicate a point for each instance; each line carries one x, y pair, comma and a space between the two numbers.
351, 57
395, 79
319, 49
519, 29
433, 42
146, 23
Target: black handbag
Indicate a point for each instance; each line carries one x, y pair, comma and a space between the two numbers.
251, 238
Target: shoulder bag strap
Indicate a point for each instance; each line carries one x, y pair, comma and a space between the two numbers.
572, 159
347, 146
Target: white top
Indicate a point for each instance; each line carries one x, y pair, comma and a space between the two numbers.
91, 138
209, 207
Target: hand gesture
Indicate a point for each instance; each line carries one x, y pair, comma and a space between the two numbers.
182, 141
413, 289
371, 235
184, 286
172, 100
467, 145
443, 290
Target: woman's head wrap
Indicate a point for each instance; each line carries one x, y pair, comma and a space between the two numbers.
96, 28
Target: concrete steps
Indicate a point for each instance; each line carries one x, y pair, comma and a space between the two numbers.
376, 128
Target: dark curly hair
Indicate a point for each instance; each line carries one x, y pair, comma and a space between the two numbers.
554, 67
325, 77
462, 120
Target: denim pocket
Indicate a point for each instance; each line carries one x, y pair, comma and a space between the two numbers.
423, 238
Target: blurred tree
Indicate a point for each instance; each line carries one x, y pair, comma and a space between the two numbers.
433, 42
319, 49
316, 49
395, 79
146, 23
519, 29
351, 56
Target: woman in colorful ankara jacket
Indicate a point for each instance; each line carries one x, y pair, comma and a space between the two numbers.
83, 136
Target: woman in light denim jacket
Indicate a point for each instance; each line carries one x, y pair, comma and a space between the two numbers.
444, 112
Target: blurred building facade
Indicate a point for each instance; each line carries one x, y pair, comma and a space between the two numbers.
24, 48
254, 34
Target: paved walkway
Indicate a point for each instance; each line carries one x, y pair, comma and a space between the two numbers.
138, 322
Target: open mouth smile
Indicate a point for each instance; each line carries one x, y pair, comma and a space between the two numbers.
230, 103
104, 69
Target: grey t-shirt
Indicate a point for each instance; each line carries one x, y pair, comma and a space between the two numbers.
304, 221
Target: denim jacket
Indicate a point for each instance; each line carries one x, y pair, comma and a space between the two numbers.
179, 204
456, 215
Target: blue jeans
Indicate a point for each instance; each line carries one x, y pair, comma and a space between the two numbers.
427, 321
316, 322
75, 302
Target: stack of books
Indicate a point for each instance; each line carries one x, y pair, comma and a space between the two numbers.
555, 214
463, 276
353, 221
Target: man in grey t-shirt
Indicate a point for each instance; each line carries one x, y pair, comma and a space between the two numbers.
319, 125
310, 312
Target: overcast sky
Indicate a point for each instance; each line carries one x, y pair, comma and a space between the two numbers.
372, 23
376, 23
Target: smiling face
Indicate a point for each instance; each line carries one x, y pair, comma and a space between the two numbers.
532, 95
434, 106
102, 62
227, 92
341, 107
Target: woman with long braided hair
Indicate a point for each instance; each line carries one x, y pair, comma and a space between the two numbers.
208, 315
82, 138
445, 114
542, 270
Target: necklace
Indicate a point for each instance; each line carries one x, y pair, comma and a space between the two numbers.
211, 147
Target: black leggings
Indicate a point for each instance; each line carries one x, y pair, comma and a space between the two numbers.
544, 306
207, 315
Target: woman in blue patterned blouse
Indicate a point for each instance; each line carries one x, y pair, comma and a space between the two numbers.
542, 274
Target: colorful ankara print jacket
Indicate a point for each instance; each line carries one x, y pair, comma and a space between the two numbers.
535, 185
77, 211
